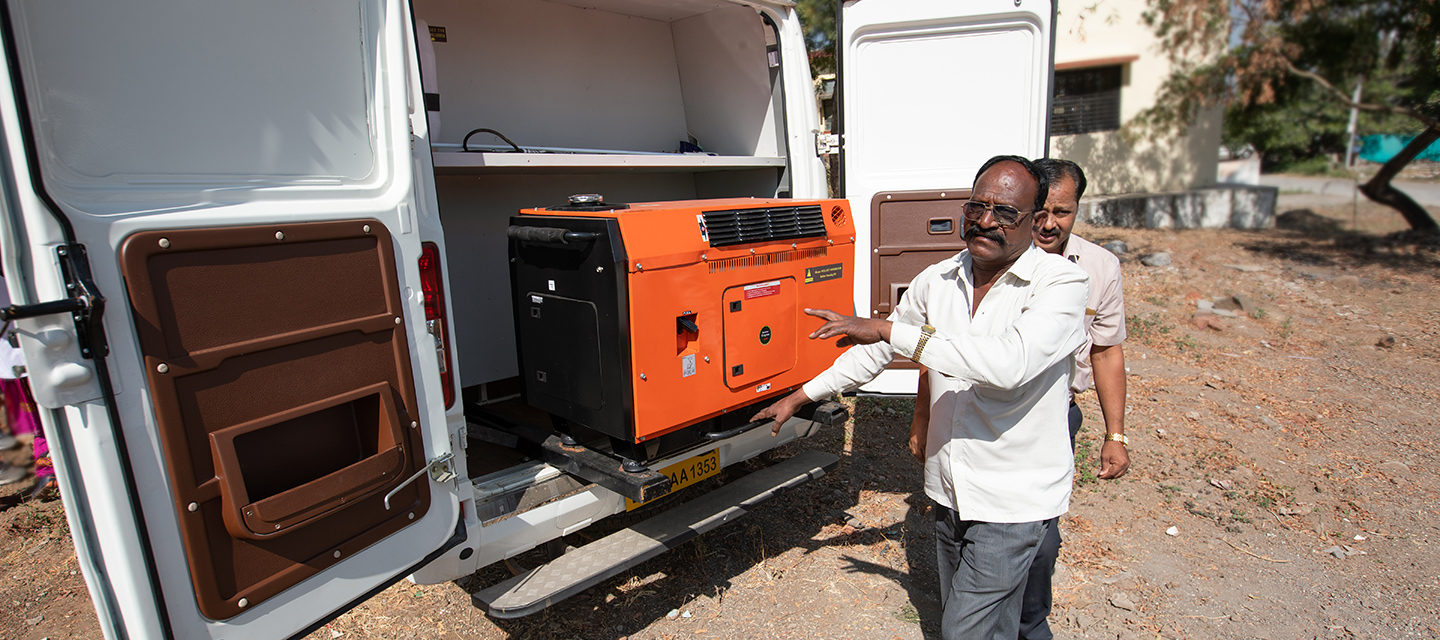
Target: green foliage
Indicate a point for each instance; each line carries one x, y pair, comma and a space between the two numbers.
1146, 328
908, 613
1169, 491
1287, 329
1315, 166
1304, 126
1086, 467
1269, 62
1186, 343
818, 19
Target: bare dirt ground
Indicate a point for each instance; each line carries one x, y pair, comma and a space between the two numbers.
1284, 483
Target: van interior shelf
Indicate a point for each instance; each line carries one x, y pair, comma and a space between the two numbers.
460, 162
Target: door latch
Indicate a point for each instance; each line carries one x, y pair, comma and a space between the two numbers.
826, 143
439, 468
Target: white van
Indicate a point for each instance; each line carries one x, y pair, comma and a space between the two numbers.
219, 218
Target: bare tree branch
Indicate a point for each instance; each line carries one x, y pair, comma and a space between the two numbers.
1363, 106
1379, 189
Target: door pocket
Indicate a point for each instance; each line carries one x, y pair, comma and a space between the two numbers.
285, 470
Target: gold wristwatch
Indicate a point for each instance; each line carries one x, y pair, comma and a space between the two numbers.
925, 332
1118, 437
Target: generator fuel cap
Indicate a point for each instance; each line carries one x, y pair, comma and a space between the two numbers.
589, 202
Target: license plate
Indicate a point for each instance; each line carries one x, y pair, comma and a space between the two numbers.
686, 473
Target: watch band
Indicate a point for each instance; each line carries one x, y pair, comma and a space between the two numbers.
925, 332
1117, 437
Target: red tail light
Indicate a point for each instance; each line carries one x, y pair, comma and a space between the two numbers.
433, 287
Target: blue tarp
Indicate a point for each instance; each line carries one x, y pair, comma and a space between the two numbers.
1381, 148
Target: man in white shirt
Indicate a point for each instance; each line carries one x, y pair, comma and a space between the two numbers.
997, 325
1100, 359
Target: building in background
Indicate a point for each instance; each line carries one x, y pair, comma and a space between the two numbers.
1108, 67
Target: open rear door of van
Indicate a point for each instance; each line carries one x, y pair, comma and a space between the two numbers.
211, 226
929, 90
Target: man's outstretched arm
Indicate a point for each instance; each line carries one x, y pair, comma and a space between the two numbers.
851, 331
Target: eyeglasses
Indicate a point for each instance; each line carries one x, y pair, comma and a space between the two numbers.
1005, 215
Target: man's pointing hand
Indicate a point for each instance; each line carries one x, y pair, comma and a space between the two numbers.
852, 330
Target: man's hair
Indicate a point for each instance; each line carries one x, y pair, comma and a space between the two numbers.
1044, 183
1055, 169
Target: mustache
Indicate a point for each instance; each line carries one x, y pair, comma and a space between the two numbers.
993, 234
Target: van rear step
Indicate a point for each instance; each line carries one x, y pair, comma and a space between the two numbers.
595, 562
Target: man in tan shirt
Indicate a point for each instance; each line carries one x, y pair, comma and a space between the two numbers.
1100, 360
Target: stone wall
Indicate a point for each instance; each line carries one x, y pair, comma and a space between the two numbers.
1224, 206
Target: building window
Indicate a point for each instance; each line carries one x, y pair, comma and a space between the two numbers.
1086, 100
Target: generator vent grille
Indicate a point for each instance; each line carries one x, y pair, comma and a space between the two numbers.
743, 226
745, 262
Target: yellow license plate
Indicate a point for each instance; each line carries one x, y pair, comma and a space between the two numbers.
686, 473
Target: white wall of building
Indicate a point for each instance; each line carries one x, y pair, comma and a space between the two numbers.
1105, 33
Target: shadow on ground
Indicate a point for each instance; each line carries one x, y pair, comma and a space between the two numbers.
1306, 238
823, 514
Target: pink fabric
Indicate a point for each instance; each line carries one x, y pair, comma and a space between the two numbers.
19, 407
20, 411
43, 467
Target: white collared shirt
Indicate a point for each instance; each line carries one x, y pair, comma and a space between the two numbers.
999, 447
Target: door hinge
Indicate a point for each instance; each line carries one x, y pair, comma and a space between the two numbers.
826, 143
85, 305
439, 468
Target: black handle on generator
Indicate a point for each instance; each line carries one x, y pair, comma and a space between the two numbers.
828, 413
549, 235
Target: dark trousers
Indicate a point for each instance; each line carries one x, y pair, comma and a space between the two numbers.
982, 574
1037, 602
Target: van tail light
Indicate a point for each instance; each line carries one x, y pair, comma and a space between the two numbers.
433, 287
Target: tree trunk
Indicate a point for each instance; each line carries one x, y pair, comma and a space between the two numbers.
1378, 188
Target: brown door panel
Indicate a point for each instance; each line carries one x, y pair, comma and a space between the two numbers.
284, 400
912, 230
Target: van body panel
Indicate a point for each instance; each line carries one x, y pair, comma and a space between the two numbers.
254, 224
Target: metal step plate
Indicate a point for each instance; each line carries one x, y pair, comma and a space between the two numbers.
595, 562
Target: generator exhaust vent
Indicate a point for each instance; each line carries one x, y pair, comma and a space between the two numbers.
743, 226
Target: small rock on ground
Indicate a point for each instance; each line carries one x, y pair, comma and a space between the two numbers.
1395, 469
1227, 302
1247, 304
1161, 259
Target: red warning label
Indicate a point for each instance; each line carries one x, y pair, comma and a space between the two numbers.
762, 289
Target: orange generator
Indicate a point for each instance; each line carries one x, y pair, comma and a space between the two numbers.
674, 318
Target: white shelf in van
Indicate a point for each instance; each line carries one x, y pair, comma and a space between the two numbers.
459, 162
